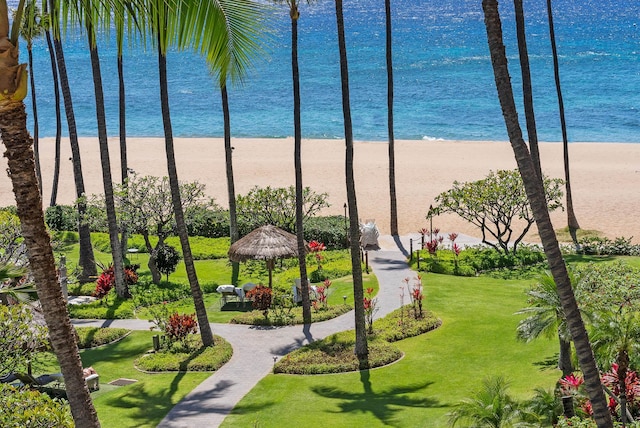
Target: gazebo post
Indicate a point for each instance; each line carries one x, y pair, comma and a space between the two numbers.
270, 264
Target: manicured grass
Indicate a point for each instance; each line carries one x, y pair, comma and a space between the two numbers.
141, 404
476, 339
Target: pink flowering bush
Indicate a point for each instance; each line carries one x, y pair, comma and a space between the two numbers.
370, 308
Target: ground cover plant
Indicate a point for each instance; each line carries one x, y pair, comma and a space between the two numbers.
91, 337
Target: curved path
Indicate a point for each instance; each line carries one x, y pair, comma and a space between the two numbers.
254, 348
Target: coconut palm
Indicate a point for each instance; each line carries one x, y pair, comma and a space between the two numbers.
33, 26
56, 97
21, 163
537, 200
294, 14
231, 190
89, 13
86, 261
225, 31
362, 348
392, 162
527, 90
571, 216
546, 318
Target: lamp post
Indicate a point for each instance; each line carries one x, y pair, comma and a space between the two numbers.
346, 227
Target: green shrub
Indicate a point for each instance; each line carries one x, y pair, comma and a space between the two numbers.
328, 230
334, 354
190, 357
401, 324
61, 217
101, 242
23, 407
206, 248
206, 222
90, 337
167, 259
606, 247
65, 237
257, 317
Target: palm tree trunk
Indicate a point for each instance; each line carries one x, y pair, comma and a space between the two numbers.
196, 292
124, 167
302, 251
20, 158
86, 262
392, 156
234, 233
527, 90
56, 92
571, 216
34, 106
107, 181
564, 358
535, 194
362, 348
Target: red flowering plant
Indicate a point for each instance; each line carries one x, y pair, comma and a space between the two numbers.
261, 298
323, 292
415, 288
370, 308
107, 280
180, 326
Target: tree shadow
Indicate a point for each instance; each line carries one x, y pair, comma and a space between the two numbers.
400, 245
384, 405
548, 363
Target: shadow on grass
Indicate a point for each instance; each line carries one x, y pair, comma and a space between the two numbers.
237, 307
586, 258
548, 363
384, 405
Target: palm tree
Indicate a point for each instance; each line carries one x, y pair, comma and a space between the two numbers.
546, 318
231, 191
33, 25
536, 196
571, 216
225, 31
21, 163
527, 91
491, 406
294, 13
362, 348
86, 262
56, 93
392, 156
616, 336
91, 15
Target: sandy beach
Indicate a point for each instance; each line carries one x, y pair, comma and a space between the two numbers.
605, 177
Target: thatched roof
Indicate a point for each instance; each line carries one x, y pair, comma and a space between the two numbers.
264, 243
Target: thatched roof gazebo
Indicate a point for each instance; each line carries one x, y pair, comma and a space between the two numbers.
265, 243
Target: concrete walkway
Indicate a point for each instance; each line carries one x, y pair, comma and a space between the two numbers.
254, 348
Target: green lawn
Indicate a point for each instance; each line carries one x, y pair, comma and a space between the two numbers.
477, 339
141, 404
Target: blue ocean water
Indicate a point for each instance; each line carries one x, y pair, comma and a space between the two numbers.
444, 87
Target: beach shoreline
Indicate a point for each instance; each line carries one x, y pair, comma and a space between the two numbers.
603, 175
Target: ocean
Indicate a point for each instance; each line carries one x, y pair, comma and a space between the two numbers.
444, 87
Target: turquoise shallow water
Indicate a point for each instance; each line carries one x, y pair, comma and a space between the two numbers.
443, 80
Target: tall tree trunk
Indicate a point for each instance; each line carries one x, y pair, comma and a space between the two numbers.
535, 194
86, 262
234, 233
124, 167
564, 358
571, 216
302, 251
56, 92
196, 291
362, 348
118, 270
34, 107
527, 90
392, 156
20, 158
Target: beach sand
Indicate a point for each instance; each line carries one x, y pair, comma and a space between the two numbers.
605, 177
